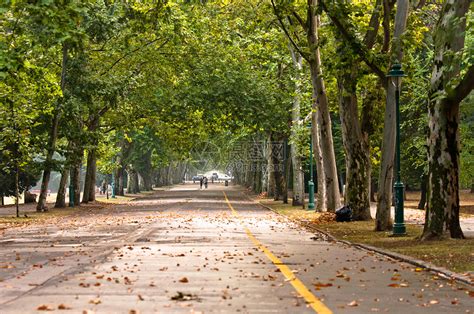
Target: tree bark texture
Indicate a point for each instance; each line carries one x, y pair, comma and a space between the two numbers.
357, 156
89, 181
132, 186
384, 196
442, 211
76, 182
61, 196
321, 106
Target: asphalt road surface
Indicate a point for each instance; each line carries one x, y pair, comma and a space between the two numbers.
187, 250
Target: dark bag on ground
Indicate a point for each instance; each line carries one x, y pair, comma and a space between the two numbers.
344, 214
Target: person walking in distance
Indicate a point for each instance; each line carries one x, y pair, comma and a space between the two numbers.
205, 182
201, 182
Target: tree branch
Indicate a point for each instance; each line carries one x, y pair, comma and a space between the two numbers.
465, 86
275, 10
386, 25
371, 35
133, 51
355, 44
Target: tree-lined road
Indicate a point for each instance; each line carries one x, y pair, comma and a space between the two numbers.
190, 250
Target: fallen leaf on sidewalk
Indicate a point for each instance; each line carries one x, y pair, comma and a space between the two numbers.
184, 280
319, 285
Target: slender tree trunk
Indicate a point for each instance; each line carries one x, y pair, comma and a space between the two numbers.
271, 168
321, 106
423, 188
298, 174
93, 176
442, 211
61, 196
17, 188
357, 158
278, 161
384, 196
53, 135
76, 182
318, 157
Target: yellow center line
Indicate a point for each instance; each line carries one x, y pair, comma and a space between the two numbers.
310, 298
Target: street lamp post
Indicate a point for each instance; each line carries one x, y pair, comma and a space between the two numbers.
310, 182
395, 74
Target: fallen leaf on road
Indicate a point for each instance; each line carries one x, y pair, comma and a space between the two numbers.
184, 280
134, 312
322, 285
394, 285
140, 297
95, 301
180, 296
353, 303
434, 302
45, 307
63, 307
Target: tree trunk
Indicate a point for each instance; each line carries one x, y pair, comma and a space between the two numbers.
442, 211
61, 196
320, 105
53, 136
278, 168
270, 168
93, 169
89, 181
423, 188
132, 186
76, 182
318, 157
298, 174
384, 196
357, 157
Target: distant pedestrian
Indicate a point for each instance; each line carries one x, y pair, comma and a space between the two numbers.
205, 182
201, 182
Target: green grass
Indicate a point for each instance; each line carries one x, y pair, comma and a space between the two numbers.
454, 254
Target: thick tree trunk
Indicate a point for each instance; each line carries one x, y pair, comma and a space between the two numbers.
357, 157
442, 211
89, 181
53, 136
321, 106
61, 196
132, 186
384, 196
